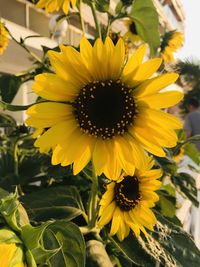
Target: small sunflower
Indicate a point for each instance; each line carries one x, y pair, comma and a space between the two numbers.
102, 109
172, 41
3, 38
127, 202
55, 5
132, 32
179, 155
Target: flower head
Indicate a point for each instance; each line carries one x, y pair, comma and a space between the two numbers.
102, 109
3, 38
132, 32
127, 202
54, 5
172, 41
179, 155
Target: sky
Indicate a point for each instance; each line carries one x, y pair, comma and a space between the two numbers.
191, 48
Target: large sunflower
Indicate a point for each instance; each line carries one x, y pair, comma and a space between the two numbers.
3, 38
127, 202
55, 5
104, 110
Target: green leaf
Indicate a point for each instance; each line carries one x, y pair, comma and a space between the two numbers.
62, 202
178, 244
7, 106
13, 212
145, 17
135, 251
191, 151
9, 86
187, 185
33, 240
102, 5
69, 239
167, 205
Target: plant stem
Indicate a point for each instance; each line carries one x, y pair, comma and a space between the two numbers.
94, 13
81, 17
92, 211
24, 46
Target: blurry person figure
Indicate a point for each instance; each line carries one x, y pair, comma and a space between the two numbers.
192, 120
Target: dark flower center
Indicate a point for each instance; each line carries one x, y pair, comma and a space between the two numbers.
105, 109
132, 28
127, 193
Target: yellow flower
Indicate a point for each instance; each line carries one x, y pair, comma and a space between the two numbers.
132, 32
102, 109
11, 255
179, 155
127, 203
55, 5
172, 42
3, 38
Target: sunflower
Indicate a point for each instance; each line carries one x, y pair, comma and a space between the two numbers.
179, 155
102, 109
55, 5
11, 255
127, 202
132, 32
172, 41
3, 38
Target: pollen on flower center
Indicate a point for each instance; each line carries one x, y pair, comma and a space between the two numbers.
127, 193
105, 109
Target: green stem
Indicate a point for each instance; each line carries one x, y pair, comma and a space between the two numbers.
92, 212
94, 13
81, 17
24, 47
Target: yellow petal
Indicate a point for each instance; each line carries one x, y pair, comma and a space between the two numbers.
115, 221
163, 100
55, 135
117, 61
145, 71
100, 156
52, 87
86, 51
107, 215
164, 119
135, 61
154, 85
148, 142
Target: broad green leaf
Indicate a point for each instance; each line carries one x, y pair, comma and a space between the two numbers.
191, 151
135, 251
9, 85
33, 240
167, 201
62, 202
177, 243
167, 205
68, 238
145, 17
13, 212
186, 184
